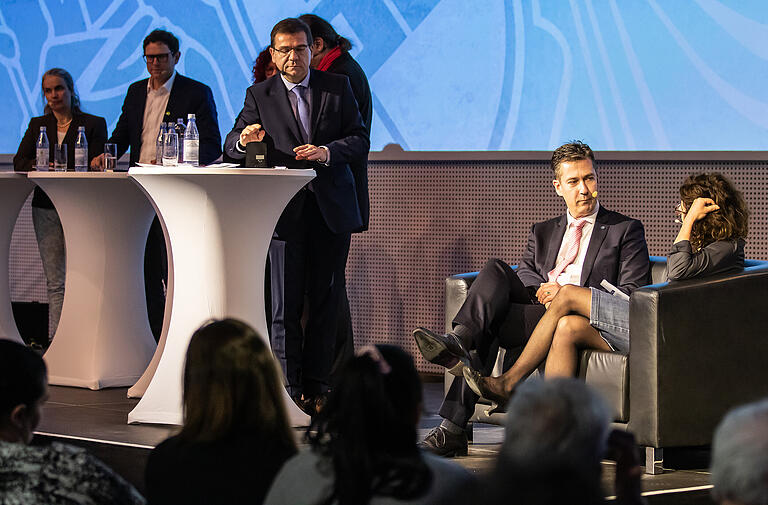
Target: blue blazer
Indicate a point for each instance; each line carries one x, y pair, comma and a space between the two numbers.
335, 123
187, 97
617, 252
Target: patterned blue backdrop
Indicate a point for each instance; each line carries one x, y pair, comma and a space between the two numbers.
445, 74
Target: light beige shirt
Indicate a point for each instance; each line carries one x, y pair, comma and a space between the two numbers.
154, 113
572, 273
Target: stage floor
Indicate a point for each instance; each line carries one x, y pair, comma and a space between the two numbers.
96, 420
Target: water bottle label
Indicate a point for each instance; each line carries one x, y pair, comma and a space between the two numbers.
42, 159
191, 150
81, 157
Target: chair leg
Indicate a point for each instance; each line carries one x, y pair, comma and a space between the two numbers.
654, 460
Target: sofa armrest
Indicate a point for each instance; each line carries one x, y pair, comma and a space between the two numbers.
456, 288
697, 349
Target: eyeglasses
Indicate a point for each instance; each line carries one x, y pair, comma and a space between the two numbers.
160, 58
679, 213
285, 51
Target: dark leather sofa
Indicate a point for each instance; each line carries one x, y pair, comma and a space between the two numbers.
697, 348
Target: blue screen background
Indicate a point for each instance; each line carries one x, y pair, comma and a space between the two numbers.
445, 74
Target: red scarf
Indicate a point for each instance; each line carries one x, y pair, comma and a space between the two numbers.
329, 58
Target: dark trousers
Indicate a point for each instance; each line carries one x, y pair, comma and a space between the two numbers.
499, 311
312, 257
155, 277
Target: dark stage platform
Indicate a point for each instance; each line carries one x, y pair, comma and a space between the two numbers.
96, 420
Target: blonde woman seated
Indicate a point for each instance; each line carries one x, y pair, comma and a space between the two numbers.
711, 240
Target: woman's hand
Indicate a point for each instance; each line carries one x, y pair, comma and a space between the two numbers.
700, 208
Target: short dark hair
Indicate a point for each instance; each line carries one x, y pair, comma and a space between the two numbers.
574, 150
165, 37
290, 25
232, 386
323, 29
22, 377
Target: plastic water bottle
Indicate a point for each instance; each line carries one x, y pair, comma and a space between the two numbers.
43, 151
159, 143
180, 128
81, 151
191, 142
170, 147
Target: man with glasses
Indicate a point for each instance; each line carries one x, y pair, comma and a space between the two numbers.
164, 97
307, 119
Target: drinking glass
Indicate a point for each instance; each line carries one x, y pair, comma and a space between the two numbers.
60, 157
110, 157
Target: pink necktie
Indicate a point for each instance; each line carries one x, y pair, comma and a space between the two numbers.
571, 249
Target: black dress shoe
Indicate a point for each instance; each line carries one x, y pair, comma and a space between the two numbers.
444, 350
444, 443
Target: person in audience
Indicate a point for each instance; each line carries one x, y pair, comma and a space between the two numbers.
582, 247
740, 456
55, 473
363, 442
330, 53
711, 240
62, 118
236, 433
163, 97
263, 67
556, 434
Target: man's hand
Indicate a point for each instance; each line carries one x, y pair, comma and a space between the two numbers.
311, 153
547, 292
252, 133
97, 163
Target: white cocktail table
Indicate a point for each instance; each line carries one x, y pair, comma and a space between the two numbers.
103, 338
218, 224
14, 190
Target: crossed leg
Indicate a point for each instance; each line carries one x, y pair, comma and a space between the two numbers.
561, 332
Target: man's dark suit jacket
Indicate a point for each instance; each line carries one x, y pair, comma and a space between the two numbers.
336, 124
617, 252
187, 97
95, 134
345, 64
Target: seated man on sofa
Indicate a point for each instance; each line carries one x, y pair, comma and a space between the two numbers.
583, 247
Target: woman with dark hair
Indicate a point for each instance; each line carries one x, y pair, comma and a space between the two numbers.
363, 442
236, 434
62, 119
714, 219
55, 473
263, 67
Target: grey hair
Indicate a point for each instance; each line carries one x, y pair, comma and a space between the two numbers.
740, 456
557, 421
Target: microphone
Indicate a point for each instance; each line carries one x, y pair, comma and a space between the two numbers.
594, 194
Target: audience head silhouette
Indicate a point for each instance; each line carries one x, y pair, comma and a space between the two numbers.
368, 428
740, 456
23, 391
231, 385
556, 432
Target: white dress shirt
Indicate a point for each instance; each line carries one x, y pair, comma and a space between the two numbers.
154, 115
572, 273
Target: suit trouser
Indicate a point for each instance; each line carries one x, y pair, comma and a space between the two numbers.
155, 277
312, 257
498, 312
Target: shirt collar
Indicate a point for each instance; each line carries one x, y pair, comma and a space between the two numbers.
167, 85
590, 218
290, 85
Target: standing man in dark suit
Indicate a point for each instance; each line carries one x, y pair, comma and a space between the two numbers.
330, 53
307, 119
164, 97
583, 247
